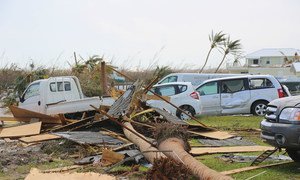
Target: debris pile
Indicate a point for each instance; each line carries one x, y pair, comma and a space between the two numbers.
129, 132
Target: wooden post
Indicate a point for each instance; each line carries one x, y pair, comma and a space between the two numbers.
103, 79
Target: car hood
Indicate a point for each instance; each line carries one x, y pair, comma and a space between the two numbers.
291, 101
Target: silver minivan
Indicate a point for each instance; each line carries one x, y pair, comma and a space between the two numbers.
239, 94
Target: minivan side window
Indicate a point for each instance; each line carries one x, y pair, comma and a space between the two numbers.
232, 86
260, 83
33, 90
208, 89
169, 79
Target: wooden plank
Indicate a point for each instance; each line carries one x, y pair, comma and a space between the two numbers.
25, 114
10, 118
153, 97
213, 134
23, 130
234, 149
36, 174
234, 171
39, 138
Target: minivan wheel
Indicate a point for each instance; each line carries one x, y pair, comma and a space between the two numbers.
294, 154
188, 109
259, 108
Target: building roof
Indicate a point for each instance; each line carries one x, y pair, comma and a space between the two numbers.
273, 52
296, 66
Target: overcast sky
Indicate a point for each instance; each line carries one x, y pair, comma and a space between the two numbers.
132, 33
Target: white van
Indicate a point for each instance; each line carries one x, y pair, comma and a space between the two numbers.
195, 78
239, 94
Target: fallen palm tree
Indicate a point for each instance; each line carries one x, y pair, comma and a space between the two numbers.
173, 138
144, 146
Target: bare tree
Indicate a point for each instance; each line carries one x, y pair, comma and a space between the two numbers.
215, 40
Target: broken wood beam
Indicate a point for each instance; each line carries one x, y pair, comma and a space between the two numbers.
161, 98
230, 149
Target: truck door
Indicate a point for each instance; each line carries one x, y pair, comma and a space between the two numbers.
210, 98
31, 99
235, 95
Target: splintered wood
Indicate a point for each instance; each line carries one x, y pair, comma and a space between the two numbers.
234, 149
27, 116
39, 138
23, 130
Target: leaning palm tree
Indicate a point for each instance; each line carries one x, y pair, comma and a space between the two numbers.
230, 46
215, 40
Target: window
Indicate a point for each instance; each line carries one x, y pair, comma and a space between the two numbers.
255, 61
208, 89
60, 86
260, 83
232, 86
33, 90
268, 62
181, 88
169, 79
165, 90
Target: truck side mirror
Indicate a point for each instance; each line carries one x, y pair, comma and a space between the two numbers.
21, 98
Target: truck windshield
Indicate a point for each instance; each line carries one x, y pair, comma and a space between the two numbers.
32, 90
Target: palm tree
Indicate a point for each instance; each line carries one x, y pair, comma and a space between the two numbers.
230, 46
215, 40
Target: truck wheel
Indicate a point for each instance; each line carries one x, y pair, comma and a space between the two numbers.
294, 154
188, 109
259, 108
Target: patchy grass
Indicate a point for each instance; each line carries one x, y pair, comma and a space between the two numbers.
242, 125
20, 172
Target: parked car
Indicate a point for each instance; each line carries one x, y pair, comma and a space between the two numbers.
281, 126
195, 78
59, 95
182, 94
239, 94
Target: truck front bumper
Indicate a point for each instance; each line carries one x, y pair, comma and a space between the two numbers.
281, 135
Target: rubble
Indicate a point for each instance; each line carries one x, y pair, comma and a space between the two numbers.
122, 133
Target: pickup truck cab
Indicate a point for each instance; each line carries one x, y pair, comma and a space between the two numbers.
281, 126
58, 95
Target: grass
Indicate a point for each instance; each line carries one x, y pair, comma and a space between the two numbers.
242, 125
20, 172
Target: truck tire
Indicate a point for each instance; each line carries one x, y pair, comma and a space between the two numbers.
188, 109
294, 154
259, 108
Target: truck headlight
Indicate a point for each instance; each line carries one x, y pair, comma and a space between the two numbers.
290, 114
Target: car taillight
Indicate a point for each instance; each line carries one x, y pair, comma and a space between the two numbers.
280, 93
194, 95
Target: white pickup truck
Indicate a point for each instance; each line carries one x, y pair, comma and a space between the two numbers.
59, 95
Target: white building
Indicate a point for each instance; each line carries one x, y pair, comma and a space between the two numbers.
273, 61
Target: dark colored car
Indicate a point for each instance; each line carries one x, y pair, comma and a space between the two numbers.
281, 126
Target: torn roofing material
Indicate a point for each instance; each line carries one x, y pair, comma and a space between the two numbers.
237, 141
87, 137
121, 106
169, 117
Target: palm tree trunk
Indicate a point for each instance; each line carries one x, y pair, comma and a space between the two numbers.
221, 63
142, 145
180, 155
205, 60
